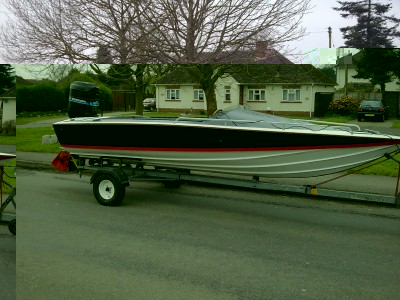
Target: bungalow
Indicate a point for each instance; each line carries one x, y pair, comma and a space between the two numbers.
8, 106
284, 89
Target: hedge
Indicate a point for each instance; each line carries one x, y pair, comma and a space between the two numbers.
40, 97
47, 97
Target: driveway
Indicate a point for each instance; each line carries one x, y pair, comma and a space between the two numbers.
42, 123
383, 127
50, 122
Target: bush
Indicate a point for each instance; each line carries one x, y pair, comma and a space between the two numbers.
344, 106
105, 97
8, 127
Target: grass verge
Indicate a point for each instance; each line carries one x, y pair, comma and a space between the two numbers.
8, 139
9, 176
396, 124
30, 140
337, 119
386, 167
22, 120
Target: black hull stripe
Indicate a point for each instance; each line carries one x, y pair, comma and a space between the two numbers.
168, 138
241, 149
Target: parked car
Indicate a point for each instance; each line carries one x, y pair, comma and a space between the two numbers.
370, 108
149, 104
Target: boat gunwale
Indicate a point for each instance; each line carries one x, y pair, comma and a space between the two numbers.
294, 128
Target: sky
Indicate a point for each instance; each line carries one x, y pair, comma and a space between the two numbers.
313, 47
317, 22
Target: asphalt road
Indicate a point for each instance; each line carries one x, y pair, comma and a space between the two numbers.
199, 242
7, 264
8, 149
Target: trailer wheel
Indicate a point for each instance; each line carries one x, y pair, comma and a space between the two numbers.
107, 191
12, 226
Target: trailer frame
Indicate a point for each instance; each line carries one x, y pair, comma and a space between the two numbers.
111, 175
9, 219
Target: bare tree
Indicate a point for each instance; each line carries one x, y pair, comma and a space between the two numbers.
71, 31
151, 31
39, 31
215, 31
140, 31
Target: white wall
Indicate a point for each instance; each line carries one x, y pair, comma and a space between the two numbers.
340, 79
220, 92
9, 109
273, 102
185, 102
274, 99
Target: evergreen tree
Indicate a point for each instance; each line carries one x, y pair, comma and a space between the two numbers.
378, 65
7, 77
372, 29
329, 71
396, 64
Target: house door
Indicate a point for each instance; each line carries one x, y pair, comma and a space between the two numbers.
321, 104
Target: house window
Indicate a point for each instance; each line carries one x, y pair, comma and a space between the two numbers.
291, 95
256, 95
227, 93
198, 94
172, 95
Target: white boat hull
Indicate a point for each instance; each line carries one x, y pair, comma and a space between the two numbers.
274, 163
5, 157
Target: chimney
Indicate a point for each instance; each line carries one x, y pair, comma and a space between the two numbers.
261, 49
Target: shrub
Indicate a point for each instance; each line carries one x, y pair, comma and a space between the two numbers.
8, 127
344, 106
105, 97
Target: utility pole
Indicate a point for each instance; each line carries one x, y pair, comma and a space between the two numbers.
330, 36
347, 60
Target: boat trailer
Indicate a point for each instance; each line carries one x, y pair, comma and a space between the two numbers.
110, 176
8, 218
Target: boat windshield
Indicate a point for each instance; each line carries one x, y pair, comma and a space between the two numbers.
244, 117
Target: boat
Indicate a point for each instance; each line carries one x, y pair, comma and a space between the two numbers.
236, 141
4, 157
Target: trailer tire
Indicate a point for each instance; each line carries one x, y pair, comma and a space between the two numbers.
107, 190
12, 226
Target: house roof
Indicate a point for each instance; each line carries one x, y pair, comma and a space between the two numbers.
259, 74
341, 61
276, 74
259, 52
11, 93
257, 56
